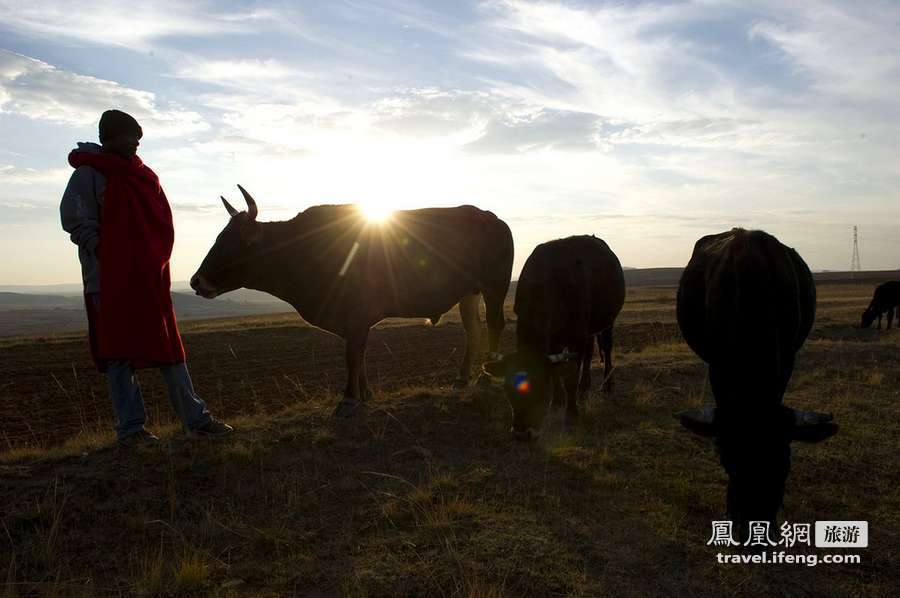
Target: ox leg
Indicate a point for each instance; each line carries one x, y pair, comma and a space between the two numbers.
493, 315
890, 318
571, 394
879, 322
606, 344
584, 383
365, 392
356, 355
558, 397
468, 312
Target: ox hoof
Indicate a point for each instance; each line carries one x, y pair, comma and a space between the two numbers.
460, 383
346, 408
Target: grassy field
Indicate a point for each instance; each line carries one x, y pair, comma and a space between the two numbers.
424, 493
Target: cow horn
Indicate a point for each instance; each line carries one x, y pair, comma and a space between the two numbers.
699, 421
561, 357
812, 426
811, 418
252, 210
229, 207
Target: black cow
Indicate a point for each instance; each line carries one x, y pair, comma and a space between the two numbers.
569, 293
746, 304
343, 273
886, 299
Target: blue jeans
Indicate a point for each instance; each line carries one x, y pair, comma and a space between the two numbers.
128, 403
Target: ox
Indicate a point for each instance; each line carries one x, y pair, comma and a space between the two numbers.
569, 294
745, 305
885, 299
344, 274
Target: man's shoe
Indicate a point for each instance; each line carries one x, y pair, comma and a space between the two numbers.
139, 438
213, 429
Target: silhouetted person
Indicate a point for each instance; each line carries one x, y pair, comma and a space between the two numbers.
118, 215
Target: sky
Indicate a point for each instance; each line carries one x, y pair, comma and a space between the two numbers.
647, 124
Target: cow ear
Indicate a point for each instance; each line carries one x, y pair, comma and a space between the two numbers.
812, 426
699, 421
496, 368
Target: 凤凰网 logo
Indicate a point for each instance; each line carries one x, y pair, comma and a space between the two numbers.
758, 534
828, 534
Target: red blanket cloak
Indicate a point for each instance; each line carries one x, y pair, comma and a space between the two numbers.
136, 320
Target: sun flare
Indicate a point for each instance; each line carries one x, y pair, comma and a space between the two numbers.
375, 212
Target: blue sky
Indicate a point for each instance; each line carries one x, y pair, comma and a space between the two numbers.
648, 124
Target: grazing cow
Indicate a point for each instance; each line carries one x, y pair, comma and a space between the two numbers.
886, 299
746, 304
569, 293
344, 274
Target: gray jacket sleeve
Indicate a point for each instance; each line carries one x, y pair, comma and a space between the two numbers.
79, 212
79, 209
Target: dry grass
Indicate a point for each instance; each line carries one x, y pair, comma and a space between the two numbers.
424, 494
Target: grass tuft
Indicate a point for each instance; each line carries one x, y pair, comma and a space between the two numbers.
191, 574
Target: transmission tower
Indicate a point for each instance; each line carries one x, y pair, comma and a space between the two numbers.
854, 261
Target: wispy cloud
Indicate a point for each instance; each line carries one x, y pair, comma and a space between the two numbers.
847, 50
236, 73
647, 123
35, 89
12, 175
107, 22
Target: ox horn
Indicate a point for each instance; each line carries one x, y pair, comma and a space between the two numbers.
699, 421
252, 210
812, 426
494, 356
561, 357
811, 418
229, 207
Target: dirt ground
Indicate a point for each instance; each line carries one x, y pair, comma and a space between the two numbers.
424, 493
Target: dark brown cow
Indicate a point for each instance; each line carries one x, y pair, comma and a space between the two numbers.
569, 293
885, 299
746, 304
343, 273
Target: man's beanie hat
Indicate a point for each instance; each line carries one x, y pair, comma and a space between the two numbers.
113, 122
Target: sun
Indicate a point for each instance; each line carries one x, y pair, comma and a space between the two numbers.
375, 211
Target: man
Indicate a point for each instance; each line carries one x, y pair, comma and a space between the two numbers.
116, 212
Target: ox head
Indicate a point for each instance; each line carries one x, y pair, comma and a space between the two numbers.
754, 449
528, 384
226, 266
868, 317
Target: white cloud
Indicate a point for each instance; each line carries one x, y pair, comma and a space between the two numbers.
35, 89
134, 25
647, 123
27, 177
851, 51
236, 72
482, 122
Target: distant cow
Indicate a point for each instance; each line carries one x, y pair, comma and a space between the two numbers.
344, 274
886, 299
746, 304
570, 291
